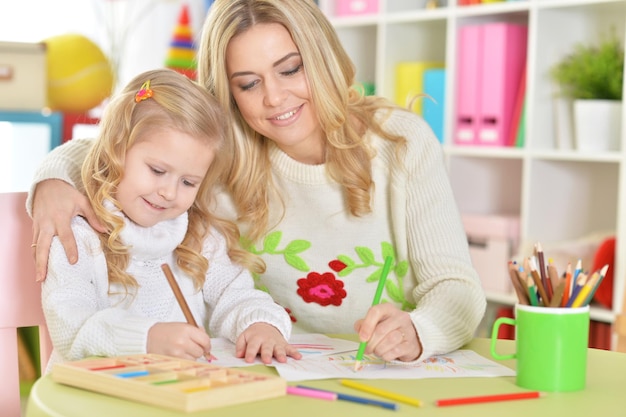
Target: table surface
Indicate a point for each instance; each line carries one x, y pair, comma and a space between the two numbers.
604, 395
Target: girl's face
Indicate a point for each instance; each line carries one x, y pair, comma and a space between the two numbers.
162, 173
268, 82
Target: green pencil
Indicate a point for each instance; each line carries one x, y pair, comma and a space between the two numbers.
377, 295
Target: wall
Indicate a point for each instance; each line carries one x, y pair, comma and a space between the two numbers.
149, 25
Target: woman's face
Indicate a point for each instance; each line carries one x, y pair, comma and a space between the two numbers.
268, 82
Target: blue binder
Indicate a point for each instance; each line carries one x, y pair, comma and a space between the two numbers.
433, 106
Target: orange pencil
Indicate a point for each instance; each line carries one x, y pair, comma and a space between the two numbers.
488, 398
568, 285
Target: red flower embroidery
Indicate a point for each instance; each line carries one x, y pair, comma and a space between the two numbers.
323, 289
336, 265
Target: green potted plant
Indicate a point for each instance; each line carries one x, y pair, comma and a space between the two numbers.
592, 76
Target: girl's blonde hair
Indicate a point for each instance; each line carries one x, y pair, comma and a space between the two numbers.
345, 115
176, 103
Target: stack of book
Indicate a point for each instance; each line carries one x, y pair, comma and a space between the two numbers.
491, 84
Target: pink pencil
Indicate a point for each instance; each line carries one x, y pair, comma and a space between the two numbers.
312, 393
488, 398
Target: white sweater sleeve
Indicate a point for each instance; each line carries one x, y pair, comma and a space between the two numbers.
63, 162
233, 302
81, 320
450, 301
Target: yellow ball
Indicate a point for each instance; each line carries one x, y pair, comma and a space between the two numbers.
79, 74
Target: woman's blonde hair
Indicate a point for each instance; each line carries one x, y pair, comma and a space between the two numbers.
176, 103
345, 115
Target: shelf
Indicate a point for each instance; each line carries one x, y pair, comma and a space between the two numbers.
559, 193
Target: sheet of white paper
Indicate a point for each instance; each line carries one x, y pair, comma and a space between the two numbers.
311, 344
460, 363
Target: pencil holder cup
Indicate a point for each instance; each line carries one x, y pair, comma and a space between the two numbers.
550, 347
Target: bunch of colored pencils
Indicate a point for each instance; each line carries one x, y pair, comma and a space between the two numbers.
539, 284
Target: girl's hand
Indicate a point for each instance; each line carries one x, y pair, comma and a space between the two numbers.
181, 340
389, 333
266, 340
55, 203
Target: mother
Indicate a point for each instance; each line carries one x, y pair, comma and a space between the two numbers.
324, 184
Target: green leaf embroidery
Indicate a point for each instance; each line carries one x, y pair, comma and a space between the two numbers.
365, 254
271, 241
296, 262
402, 268
368, 259
290, 253
297, 246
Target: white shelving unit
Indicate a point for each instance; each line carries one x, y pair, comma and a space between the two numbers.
559, 194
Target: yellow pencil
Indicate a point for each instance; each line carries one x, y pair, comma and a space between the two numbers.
381, 392
585, 290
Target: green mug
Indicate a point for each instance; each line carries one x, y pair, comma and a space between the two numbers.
551, 347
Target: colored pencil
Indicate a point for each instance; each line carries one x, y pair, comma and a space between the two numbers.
577, 270
568, 285
359, 400
542, 271
585, 291
557, 296
180, 298
488, 398
521, 277
538, 283
377, 295
380, 392
603, 272
532, 292
580, 283
311, 393
519, 290
553, 274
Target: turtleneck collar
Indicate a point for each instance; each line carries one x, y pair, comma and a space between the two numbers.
152, 242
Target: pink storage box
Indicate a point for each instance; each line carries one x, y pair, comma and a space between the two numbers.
356, 7
492, 241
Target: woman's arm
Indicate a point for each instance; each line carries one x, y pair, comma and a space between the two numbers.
54, 200
450, 301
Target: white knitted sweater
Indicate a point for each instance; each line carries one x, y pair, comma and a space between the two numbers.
322, 263
87, 318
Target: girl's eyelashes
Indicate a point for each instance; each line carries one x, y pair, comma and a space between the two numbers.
156, 170
189, 183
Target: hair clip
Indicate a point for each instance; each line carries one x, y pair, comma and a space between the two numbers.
144, 92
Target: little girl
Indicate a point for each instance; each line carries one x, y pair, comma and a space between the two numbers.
148, 177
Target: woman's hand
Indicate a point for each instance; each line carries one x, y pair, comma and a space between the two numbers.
181, 340
55, 203
266, 340
389, 333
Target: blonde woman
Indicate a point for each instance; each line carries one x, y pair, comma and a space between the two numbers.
325, 183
